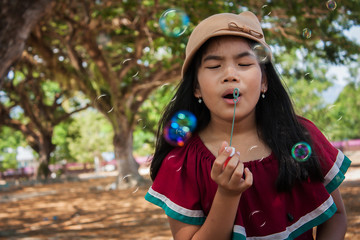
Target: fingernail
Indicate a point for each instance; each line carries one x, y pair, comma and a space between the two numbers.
238, 153
232, 149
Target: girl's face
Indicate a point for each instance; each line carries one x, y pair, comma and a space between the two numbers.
228, 62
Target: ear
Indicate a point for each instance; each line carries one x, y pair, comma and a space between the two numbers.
197, 92
264, 82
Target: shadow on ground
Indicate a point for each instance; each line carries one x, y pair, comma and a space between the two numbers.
89, 210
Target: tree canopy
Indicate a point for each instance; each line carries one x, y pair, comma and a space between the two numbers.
116, 53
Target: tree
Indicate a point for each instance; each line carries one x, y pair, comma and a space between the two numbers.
112, 55
344, 114
32, 104
10, 140
116, 54
148, 118
90, 134
60, 139
17, 17
305, 81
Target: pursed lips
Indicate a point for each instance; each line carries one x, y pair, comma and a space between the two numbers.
228, 96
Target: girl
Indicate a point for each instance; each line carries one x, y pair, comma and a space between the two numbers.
262, 192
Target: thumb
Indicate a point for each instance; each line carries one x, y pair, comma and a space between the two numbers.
224, 144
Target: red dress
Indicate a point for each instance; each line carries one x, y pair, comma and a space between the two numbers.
184, 189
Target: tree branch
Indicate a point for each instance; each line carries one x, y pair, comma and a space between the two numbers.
67, 115
17, 27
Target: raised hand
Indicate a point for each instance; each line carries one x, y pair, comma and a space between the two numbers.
228, 173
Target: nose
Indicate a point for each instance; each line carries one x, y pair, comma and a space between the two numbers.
231, 74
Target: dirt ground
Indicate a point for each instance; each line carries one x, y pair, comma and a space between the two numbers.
87, 209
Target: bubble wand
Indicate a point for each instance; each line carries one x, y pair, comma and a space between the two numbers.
236, 94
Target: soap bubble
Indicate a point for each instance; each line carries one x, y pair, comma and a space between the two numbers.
257, 218
180, 128
266, 9
103, 102
174, 22
142, 123
301, 151
261, 52
308, 76
331, 5
306, 33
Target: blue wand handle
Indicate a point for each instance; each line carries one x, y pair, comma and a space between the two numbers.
236, 94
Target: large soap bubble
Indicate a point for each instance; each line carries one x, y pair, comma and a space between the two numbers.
180, 128
301, 151
174, 22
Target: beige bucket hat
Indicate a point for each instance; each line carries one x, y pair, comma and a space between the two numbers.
245, 24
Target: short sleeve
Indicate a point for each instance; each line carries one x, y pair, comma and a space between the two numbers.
175, 188
333, 162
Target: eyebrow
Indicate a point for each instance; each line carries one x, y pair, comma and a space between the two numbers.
216, 57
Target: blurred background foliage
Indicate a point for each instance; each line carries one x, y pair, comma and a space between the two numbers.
98, 71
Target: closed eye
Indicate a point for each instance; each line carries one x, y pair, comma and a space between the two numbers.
244, 65
213, 67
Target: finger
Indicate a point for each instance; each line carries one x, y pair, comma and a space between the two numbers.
231, 154
231, 164
237, 175
223, 146
248, 178
217, 167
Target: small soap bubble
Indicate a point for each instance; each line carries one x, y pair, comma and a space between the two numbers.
262, 53
170, 157
331, 106
308, 76
135, 75
141, 123
126, 60
164, 85
252, 148
136, 190
180, 128
257, 218
126, 178
306, 33
331, 5
103, 102
266, 10
174, 22
301, 151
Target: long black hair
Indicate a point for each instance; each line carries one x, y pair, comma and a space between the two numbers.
277, 124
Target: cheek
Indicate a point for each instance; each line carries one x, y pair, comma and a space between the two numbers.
202, 80
201, 76
254, 79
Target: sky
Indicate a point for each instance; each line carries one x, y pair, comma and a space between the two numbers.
340, 71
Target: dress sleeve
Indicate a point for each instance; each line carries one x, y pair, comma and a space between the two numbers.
175, 188
333, 161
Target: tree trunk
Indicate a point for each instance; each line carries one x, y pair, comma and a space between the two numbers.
127, 166
46, 147
43, 169
17, 17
